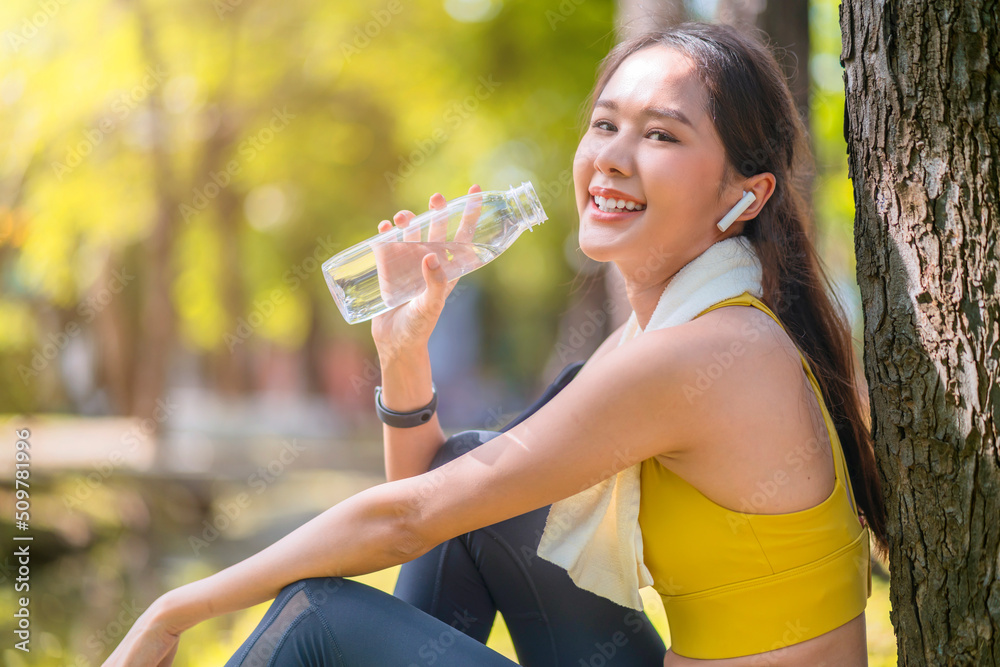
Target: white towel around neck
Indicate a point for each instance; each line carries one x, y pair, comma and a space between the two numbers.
594, 535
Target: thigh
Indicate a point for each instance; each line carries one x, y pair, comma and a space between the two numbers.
336, 622
445, 583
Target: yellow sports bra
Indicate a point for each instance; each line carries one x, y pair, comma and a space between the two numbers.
735, 583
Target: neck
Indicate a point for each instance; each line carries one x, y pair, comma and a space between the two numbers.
645, 286
644, 283
644, 297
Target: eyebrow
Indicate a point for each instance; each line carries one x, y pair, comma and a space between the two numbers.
658, 112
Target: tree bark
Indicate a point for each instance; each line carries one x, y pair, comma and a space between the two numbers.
923, 103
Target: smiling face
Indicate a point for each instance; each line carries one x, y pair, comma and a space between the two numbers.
651, 142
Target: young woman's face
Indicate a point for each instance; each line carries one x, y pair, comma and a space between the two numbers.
650, 142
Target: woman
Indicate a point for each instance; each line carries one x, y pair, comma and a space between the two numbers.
682, 123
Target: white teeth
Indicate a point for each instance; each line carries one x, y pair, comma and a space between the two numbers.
617, 205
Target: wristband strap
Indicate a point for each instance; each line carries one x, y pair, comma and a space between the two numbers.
405, 419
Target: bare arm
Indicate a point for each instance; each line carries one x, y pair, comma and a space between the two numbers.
628, 408
401, 337
406, 386
364, 533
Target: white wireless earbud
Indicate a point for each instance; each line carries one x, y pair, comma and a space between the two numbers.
741, 205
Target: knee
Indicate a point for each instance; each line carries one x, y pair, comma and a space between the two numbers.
460, 443
323, 591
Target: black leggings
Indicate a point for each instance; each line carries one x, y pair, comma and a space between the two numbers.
444, 604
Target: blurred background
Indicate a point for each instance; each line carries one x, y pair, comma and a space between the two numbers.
172, 175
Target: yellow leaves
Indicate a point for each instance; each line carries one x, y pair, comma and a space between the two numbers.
17, 326
288, 323
274, 308
196, 292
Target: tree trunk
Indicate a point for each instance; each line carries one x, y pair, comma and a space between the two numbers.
786, 23
923, 103
157, 331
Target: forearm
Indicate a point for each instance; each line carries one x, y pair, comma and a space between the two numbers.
367, 532
406, 386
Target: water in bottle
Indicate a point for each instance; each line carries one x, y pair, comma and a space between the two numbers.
383, 272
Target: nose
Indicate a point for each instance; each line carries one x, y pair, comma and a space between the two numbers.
614, 158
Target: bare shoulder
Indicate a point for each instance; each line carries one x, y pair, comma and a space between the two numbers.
751, 411
740, 339
737, 366
632, 404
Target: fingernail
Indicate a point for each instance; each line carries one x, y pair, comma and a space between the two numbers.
433, 262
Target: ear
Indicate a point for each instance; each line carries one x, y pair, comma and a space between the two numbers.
762, 186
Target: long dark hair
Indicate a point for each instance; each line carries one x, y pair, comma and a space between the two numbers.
753, 112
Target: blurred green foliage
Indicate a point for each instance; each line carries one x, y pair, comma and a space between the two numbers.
268, 133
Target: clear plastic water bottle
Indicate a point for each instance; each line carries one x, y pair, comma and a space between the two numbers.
383, 272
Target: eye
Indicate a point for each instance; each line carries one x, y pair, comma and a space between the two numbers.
663, 136
604, 125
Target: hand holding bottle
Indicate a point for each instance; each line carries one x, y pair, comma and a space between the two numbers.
410, 325
387, 270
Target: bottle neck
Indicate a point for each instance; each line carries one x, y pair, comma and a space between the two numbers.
529, 209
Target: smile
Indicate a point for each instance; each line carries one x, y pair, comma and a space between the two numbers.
609, 205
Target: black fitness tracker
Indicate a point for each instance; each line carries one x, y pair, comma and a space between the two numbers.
405, 419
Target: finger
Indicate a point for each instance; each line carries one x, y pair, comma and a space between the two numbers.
431, 300
470, 217
438, 231
402, 220
384, 226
